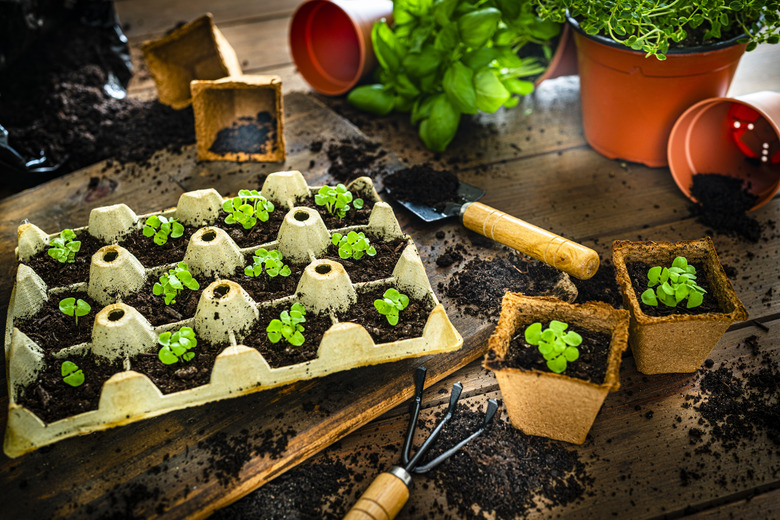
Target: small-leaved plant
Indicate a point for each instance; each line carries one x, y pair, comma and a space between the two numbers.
673, 285
270, 261
64, 247
337, 200
162, 228
75, 308
288, 326
173, 282
247, 208
556, 345
391, 304
177, 346
353, 245
72, 374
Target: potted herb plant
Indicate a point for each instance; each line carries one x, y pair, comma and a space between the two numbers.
555, 362
642, 64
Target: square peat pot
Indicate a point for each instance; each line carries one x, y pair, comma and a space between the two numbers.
197, 50
545, 403
678, 342
239, 119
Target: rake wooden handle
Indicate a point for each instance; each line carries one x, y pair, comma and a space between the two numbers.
383, 499
570, 257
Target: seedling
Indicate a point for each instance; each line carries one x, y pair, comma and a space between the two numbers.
177, 345
161, 228
557, 346
674, 284
353, 245
75, 308
392, 303
336, 200
288, 326
247, 208
72, 374
65, 247
172, 283
271, 261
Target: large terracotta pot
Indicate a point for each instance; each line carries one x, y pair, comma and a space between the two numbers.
630, 103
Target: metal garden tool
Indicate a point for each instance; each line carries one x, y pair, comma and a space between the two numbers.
556, 251
389, 491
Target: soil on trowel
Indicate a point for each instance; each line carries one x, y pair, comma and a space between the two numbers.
422, 184
57, 274
181, 375
637, 271
723, 203
247, 135
369, 268
52, 330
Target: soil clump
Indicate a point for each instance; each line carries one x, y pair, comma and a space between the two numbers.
723, 203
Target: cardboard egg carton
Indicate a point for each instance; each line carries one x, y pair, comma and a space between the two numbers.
225, 312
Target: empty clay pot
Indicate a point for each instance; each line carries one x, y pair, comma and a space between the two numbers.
564, 60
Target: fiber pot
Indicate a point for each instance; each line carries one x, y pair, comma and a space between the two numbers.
544, 403
630, 103
679, 342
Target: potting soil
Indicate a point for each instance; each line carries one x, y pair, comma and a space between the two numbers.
723, 203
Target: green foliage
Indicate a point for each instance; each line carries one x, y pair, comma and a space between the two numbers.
336, 200
75, 308
652, 26
247, 208
444, 58
353, 245
271, 261
177, 346
64, 247
288, 326
161, 228
71, 373
673, 285
391, 304
172, 283
556, 345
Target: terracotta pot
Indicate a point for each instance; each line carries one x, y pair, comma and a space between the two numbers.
564, 59
544, 403
330, 41
630, 103
739, 137
680, 342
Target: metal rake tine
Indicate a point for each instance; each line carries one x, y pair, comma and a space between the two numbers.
419, 383
457, 388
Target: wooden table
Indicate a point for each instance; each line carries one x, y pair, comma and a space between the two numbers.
533, 162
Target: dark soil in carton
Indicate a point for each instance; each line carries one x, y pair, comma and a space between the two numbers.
52, 330
152, 255
153, 307
723, 202
638, 273
411, 320
260, 233
375, 267
283, 354
422, 184
180, 375
58, 274
264, 288
247, 135
354, 217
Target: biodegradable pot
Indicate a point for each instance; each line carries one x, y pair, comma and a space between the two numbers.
680, 342
544, 403
739, 137
630, 103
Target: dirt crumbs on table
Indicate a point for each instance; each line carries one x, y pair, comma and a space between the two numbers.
247, 135
354, 157
422, 184
723, 203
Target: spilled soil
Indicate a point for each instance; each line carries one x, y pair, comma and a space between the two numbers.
723, 203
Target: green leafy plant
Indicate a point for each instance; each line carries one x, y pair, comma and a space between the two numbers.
444, 58
64, 247
391, 304
75, 308
161, 228
673, 285
288, 326
173, 282
336, 200
270, 261
353, 245
556, 345
71, 373
177, 346
247, 208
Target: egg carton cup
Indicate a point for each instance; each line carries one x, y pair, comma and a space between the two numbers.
225, 312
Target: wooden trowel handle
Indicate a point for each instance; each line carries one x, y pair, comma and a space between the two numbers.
383, 499
570, 257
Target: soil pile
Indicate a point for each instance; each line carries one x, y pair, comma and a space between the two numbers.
723, 202
248, 135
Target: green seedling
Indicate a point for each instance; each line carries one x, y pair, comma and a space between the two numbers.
75, 308
391, 304
288, 326
177, 346
336, 200
172, 283
161, 228
556, 345
674, 284
247, 208
353, 245
270, 261
72, 374
65, 247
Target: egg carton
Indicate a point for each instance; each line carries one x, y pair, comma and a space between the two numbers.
224, 315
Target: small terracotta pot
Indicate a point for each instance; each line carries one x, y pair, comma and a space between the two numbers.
564, 59
739, 137
630, 103
680, 342
330, 41
544, 403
